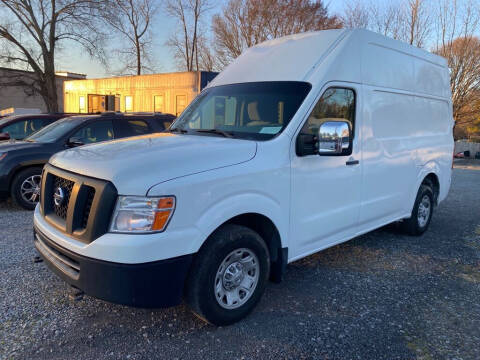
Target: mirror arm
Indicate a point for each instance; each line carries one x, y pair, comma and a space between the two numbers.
306, 144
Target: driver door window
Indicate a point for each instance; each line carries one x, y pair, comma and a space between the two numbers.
95, 132
336, 104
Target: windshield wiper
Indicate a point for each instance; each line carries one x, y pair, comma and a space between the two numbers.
178, 130
215, 131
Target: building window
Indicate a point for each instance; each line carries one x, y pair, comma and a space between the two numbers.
81, 107
128, 103
158, 105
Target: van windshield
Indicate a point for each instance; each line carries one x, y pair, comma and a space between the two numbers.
255, 111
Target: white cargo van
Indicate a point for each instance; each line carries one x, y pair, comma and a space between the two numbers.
302, 143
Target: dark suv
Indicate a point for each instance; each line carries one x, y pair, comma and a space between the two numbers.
21, 162
18, 127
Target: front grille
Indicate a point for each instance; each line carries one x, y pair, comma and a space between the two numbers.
67, 187
88, 203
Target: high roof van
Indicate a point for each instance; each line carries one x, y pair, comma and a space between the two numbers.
302, 143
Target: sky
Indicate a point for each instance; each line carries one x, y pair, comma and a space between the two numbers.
76, 60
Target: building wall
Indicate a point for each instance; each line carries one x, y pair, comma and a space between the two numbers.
21, 96
174, 90
462, 145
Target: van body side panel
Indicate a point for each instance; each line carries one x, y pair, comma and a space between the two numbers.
389, 169
407, 128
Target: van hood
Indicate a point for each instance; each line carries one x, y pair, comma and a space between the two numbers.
136, 164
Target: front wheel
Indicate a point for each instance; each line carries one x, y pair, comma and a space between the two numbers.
25, 188
228, 275
422, 212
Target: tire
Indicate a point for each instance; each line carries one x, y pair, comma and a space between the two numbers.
416, 225
22, 184
210, 274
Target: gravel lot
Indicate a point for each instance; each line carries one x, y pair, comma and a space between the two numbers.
380, 296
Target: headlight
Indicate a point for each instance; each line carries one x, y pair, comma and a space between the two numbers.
2, 156
142, 214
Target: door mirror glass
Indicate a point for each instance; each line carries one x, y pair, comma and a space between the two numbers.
333, 138
75, 141
4, 136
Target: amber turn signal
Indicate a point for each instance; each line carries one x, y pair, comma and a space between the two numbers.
165, 208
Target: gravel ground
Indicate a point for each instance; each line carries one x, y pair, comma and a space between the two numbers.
380, 296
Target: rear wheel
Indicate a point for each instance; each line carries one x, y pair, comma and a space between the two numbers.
25, 188
422, 212
228, 275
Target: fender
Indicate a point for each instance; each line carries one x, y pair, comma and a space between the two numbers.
235, 205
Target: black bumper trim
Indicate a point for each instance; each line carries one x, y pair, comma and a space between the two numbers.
150, 285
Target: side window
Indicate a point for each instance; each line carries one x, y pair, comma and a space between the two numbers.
22, 129
336, 104
137, 127
36, 124
16, 130
95, 132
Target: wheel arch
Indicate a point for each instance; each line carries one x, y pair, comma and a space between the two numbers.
21, 168
268, 231
432, 178
430, 173
270, 234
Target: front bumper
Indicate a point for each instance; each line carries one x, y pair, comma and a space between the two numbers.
152, 284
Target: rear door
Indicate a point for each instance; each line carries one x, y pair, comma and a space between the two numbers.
325, 196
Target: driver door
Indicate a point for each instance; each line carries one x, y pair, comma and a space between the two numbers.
325, 196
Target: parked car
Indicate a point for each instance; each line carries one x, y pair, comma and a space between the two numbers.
21, 162
18, 127
301, 143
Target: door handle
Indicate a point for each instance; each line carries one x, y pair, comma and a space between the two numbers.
352, 162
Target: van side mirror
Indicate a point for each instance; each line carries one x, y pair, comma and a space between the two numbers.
4, 136
74, 142
334, 138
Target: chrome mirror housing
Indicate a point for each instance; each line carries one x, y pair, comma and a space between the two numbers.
334, 138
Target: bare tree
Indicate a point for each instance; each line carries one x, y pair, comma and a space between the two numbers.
185, 42
408, 20
417, 23
386, 19
244, 23
32, 30
131, 19
208, 61
456, 41
356, 15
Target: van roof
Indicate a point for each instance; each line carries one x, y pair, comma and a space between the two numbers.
356, 55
